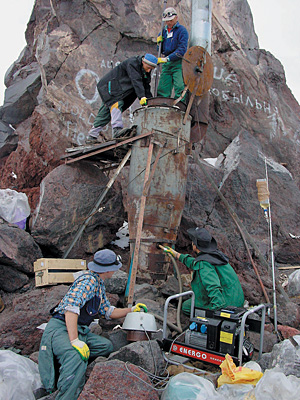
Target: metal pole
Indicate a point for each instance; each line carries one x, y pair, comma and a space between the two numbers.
159, 54
201, 24
99, 201
272, 256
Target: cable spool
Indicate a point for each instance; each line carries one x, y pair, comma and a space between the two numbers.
263, 193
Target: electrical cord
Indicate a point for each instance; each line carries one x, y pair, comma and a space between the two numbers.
154, 378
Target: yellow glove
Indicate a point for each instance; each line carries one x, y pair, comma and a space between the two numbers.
82, 348
143, 101
162, 60
168, 250
139, 307
159, 39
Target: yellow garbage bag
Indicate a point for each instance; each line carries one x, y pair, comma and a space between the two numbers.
233, 374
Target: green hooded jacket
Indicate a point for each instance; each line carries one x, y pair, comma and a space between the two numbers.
215, 286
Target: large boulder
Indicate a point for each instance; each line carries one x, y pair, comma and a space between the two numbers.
68, 196
116, 380
146, 354
285, 355
24, 313
18, 251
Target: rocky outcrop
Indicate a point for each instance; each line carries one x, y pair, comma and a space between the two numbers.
253, 126
250, 106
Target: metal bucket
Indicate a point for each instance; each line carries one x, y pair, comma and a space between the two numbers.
166, 196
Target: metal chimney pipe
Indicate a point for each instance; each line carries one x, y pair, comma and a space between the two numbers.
201, 24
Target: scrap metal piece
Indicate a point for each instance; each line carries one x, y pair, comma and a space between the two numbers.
197, 62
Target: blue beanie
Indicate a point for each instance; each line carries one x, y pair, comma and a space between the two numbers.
150, 59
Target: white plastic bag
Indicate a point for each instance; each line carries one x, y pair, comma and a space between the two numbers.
14, 207
274, 385
237, 392
19, 377
186, 386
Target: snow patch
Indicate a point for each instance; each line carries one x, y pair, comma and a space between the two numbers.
123, 236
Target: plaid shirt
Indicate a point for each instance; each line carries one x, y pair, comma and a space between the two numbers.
87, 286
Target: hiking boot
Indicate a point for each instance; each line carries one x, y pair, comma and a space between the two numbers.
91, 140
117, 132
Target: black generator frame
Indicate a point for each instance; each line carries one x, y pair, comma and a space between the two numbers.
174, 346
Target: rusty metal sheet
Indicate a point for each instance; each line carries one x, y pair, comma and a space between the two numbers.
166, 197
197, 62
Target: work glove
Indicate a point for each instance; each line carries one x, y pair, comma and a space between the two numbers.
174, 253
162, 60
143, 101
139, 307
159, 39
82, 348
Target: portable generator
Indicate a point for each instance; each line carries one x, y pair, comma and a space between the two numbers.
212, 334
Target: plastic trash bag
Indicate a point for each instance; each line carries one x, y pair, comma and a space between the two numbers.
14, 207
253, 365
237, 375
274, 385
237, 392
186, 386
19, 377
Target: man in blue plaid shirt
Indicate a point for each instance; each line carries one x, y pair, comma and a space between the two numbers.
67, 336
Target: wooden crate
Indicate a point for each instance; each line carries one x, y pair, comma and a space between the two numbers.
51, 271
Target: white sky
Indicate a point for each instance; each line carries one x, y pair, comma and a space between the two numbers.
276, 23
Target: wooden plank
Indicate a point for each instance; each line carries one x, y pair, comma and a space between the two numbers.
86, 149
114, 146
64, 277
147, 182
46, 278
139, 229
59, 263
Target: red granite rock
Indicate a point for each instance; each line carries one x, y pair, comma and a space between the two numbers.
112, 380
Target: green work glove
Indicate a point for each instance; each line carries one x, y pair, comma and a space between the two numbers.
174, 253
82, 348
143, 101
159, 39
139, 307
162, 60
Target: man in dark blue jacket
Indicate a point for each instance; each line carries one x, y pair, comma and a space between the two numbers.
118, 89
174, 39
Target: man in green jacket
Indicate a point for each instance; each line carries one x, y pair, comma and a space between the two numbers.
214, 281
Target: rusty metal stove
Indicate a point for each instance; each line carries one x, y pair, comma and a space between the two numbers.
166, 196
